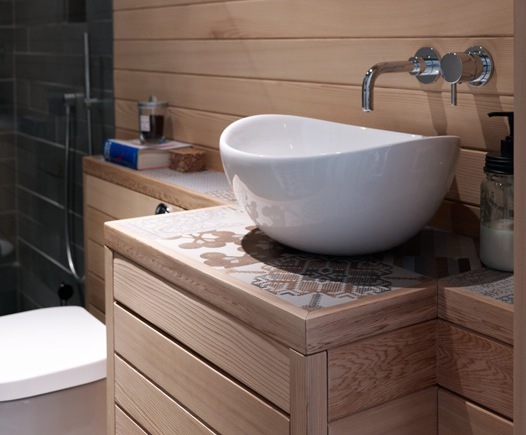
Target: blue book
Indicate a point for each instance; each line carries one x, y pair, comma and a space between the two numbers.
134, 155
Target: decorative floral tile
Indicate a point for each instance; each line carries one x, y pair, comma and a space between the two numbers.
243, 252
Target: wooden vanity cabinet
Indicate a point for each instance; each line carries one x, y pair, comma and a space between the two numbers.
195, 347
180, 365
105, 201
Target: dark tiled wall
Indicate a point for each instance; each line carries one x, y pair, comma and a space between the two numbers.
49, 62
8, 267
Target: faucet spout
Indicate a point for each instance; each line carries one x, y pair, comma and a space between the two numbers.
424, 65
411, 66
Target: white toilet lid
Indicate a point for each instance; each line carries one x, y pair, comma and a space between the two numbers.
50, 349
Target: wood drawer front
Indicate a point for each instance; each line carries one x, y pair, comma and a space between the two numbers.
457, 416
223, 404
376, 370
415, 414
94, 224
95, 302
95, 258
150, 407
117, 201
476, 367
258, 362
124, 425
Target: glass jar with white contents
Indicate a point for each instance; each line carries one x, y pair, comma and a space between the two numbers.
496, 205
496, 221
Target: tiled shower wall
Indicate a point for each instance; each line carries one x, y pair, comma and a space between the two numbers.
8, 267
49, 62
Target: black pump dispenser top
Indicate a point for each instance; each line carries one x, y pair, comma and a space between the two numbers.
502, 163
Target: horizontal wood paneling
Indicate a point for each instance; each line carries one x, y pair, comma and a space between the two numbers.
220, 60
427, 113
150, 406
312, 18
292, 60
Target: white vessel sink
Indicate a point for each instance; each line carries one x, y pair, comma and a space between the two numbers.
333, 188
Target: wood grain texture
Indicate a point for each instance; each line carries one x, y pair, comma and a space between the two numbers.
475, 367
118, 201
382, 368
182, 374
414, 414
308, 415
458, 416
95, 291
151, 407
371, 316
94, 258
94, 220
478, 313
300, 59
258, 362
310, 18
124, 425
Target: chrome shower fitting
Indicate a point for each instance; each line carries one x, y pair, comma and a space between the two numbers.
425, 65
474, 66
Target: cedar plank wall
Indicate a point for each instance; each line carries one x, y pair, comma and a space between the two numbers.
217, 61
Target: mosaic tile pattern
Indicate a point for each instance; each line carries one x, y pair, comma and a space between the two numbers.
486, 282
240, 250
210, 182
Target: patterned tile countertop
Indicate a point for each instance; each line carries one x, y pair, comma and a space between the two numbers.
212, 183
485, 282
224, 238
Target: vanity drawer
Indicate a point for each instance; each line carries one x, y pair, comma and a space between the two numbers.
117, 201
476, 367
255, 360
124, 425
149, 406
193, 383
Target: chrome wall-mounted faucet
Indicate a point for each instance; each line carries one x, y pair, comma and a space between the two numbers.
474, 66
425, 65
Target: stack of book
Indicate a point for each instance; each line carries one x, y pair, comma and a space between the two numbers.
133, 154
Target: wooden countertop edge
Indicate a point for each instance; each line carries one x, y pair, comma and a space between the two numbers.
263, 311
477, 312
331, 327
135, 180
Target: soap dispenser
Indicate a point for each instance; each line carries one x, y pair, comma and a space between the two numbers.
496, 205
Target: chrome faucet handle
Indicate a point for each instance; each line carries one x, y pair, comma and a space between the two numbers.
474, 66
429, 61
